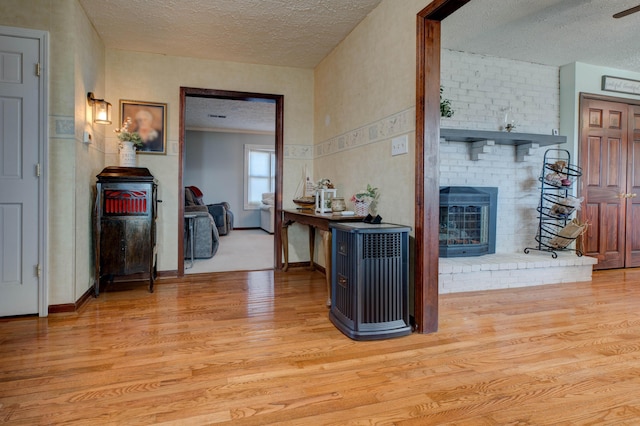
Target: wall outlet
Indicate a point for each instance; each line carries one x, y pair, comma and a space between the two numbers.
400, 145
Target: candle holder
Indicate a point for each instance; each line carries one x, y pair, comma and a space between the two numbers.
323, 200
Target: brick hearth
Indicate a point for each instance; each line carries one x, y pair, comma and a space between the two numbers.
495, 271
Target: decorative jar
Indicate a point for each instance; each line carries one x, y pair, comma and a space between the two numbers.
127, 154
338, 204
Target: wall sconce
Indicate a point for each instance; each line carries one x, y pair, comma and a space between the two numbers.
101, 109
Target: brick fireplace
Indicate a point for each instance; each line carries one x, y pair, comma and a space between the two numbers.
481, 89
516, 179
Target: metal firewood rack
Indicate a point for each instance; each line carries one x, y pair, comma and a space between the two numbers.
557, 206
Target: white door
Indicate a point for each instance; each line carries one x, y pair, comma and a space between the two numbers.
19, 158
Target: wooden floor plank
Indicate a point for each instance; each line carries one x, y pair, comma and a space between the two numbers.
256, 348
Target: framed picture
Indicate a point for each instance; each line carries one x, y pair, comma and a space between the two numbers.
149, 119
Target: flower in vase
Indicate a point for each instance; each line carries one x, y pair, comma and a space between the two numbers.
126, 135
368, 195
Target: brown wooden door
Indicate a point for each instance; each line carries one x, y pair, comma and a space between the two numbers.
633, 190
609, 157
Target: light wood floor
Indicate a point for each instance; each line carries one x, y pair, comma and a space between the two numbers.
257, 348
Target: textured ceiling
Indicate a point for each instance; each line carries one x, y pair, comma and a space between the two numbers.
294, 33
551, 32
300, 33
210, 114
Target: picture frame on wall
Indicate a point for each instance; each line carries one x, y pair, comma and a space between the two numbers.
149, 120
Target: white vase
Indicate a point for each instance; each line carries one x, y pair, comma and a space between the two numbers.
127, 154
361, 208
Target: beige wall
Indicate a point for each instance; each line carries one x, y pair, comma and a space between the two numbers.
158, 78
89, 60
365, 96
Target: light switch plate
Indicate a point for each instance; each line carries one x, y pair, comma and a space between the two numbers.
86, 137
400, 145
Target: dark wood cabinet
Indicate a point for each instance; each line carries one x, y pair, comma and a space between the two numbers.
125, 224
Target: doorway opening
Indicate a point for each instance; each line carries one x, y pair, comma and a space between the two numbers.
219, 130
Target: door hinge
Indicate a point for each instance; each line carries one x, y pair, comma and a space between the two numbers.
38, 170
38, 270
38, 69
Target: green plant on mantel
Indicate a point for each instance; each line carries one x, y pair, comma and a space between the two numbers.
445, 106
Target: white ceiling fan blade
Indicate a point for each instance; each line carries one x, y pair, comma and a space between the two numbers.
627, 12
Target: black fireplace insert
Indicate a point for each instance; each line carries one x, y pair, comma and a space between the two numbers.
467, 221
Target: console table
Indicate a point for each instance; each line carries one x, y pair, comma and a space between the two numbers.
319, 221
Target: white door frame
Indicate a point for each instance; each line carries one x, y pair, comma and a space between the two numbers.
43, 158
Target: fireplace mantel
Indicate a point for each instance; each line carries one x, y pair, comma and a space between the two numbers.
481, 141
500, 138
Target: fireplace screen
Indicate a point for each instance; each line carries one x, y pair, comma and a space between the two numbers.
467, 221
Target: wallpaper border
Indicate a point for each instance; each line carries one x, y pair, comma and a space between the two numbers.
393, 125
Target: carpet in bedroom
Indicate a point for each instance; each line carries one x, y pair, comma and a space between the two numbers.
240, 250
